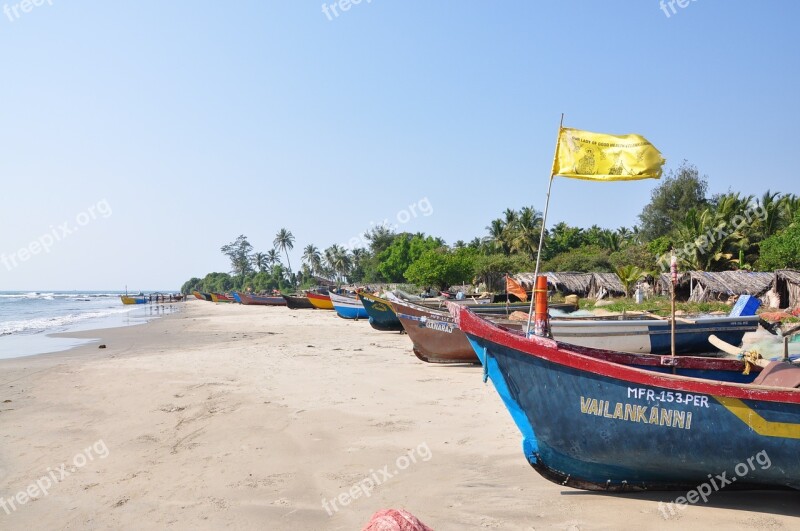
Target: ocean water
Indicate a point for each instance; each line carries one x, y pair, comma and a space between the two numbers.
28, 318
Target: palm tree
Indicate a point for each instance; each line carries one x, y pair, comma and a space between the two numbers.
610, 240
496, 236
337, 261
525, 232
272, 258
260, 262
629, 275
313, 258
284, 241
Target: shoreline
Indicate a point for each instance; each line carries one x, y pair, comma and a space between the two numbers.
252, 417
80, 333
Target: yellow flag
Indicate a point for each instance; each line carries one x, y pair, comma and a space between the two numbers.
599, 157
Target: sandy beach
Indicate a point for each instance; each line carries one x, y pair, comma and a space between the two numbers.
241, 417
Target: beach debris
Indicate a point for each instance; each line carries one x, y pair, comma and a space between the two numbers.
395, 520
6, 401
121, 502
101, 346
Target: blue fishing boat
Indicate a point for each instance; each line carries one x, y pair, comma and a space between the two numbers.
380, 312
348, 307
613, 421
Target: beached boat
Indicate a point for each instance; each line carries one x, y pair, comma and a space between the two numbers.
483, 304
202, 296
133, 299
434, 334
611, 421
320, 300
221, 297
348, 307
261, 300
297, 302
652, 336
380, 312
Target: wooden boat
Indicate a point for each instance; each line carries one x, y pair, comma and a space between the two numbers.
133, 299
612, 421
320, 300
380, 312
483, 304
261, 300
297, 302
221, 297
348, 307
435, 336
202, 296
652, 336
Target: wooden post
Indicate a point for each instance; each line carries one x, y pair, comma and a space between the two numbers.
673, 268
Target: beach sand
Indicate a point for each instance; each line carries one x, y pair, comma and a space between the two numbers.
241, 417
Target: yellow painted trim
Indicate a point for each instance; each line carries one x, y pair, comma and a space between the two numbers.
758, 423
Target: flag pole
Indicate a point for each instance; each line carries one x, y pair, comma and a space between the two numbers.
544, 224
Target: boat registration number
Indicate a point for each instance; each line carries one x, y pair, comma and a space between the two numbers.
676, 397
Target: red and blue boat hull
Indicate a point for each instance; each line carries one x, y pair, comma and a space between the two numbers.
608, 421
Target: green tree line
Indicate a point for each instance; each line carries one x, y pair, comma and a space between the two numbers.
728, 231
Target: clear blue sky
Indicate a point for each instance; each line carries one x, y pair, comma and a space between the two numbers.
184, 124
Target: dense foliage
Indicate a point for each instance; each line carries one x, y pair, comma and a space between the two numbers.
723, 232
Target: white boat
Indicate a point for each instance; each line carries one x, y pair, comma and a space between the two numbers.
348, 307
652, 336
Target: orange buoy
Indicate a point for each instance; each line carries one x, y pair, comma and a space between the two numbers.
541, 325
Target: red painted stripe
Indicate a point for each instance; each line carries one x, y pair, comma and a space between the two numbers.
569, 356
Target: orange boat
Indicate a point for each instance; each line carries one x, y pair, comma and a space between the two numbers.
318, 300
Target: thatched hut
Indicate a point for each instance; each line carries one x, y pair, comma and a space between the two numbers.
787, 288
608, 283
702, 286
567, 283
580, 284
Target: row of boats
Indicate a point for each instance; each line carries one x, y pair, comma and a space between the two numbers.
437, 339
600, 404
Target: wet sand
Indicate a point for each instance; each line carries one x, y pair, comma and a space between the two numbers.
241, 417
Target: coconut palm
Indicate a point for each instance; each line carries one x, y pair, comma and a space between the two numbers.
629, 275
260, 262
272, 258
313, 258
284, 241
496, 239
337, 261
525, 231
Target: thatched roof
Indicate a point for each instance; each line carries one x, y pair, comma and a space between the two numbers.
787, 288
565, 282
721, 285
788, 275
609, 282
581, 284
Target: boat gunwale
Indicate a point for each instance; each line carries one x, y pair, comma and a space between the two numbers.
585, 359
